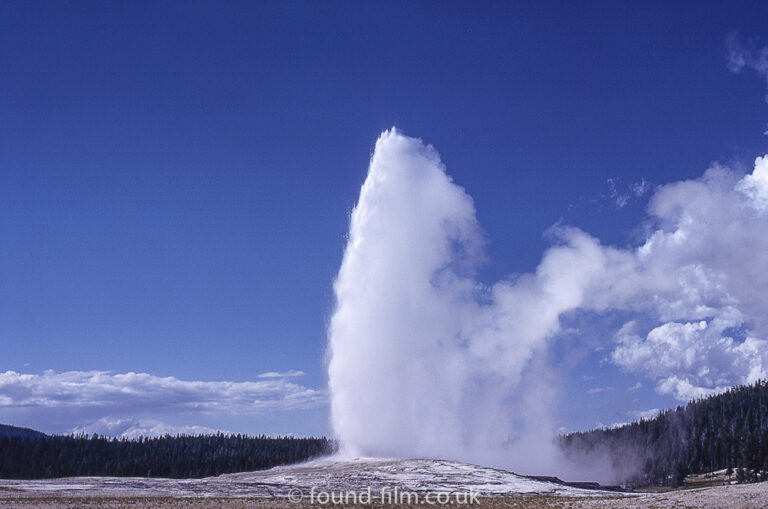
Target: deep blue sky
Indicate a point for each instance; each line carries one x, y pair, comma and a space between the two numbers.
176, 177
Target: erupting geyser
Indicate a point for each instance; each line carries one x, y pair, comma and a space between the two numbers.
424, 360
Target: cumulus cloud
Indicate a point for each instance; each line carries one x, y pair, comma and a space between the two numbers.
755, 185
701, 273
79, 399
691, 360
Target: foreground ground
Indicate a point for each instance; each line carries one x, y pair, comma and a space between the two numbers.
276, 488
750, 496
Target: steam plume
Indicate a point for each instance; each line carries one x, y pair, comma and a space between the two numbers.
425, 361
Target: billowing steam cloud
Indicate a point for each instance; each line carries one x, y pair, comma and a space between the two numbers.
425, 361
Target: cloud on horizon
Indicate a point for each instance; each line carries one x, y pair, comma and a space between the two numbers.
281, 374
135, 428
120, 403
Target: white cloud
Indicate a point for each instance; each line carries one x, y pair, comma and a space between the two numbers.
640, 188
598, 390
690, 360
281, 374
741, 56
684, 390
699, 278
670, 348
132, 428
78, 399
701, 273
618, 198
636, 415
755, 185
632, 192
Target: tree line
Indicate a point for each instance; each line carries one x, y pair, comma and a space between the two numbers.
181, 456
724, 431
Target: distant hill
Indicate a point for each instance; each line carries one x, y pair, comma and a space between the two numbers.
6, 430
724, 431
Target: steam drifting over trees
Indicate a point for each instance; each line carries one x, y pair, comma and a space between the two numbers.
726, 431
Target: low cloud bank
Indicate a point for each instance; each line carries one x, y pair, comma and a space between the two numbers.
129, 404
